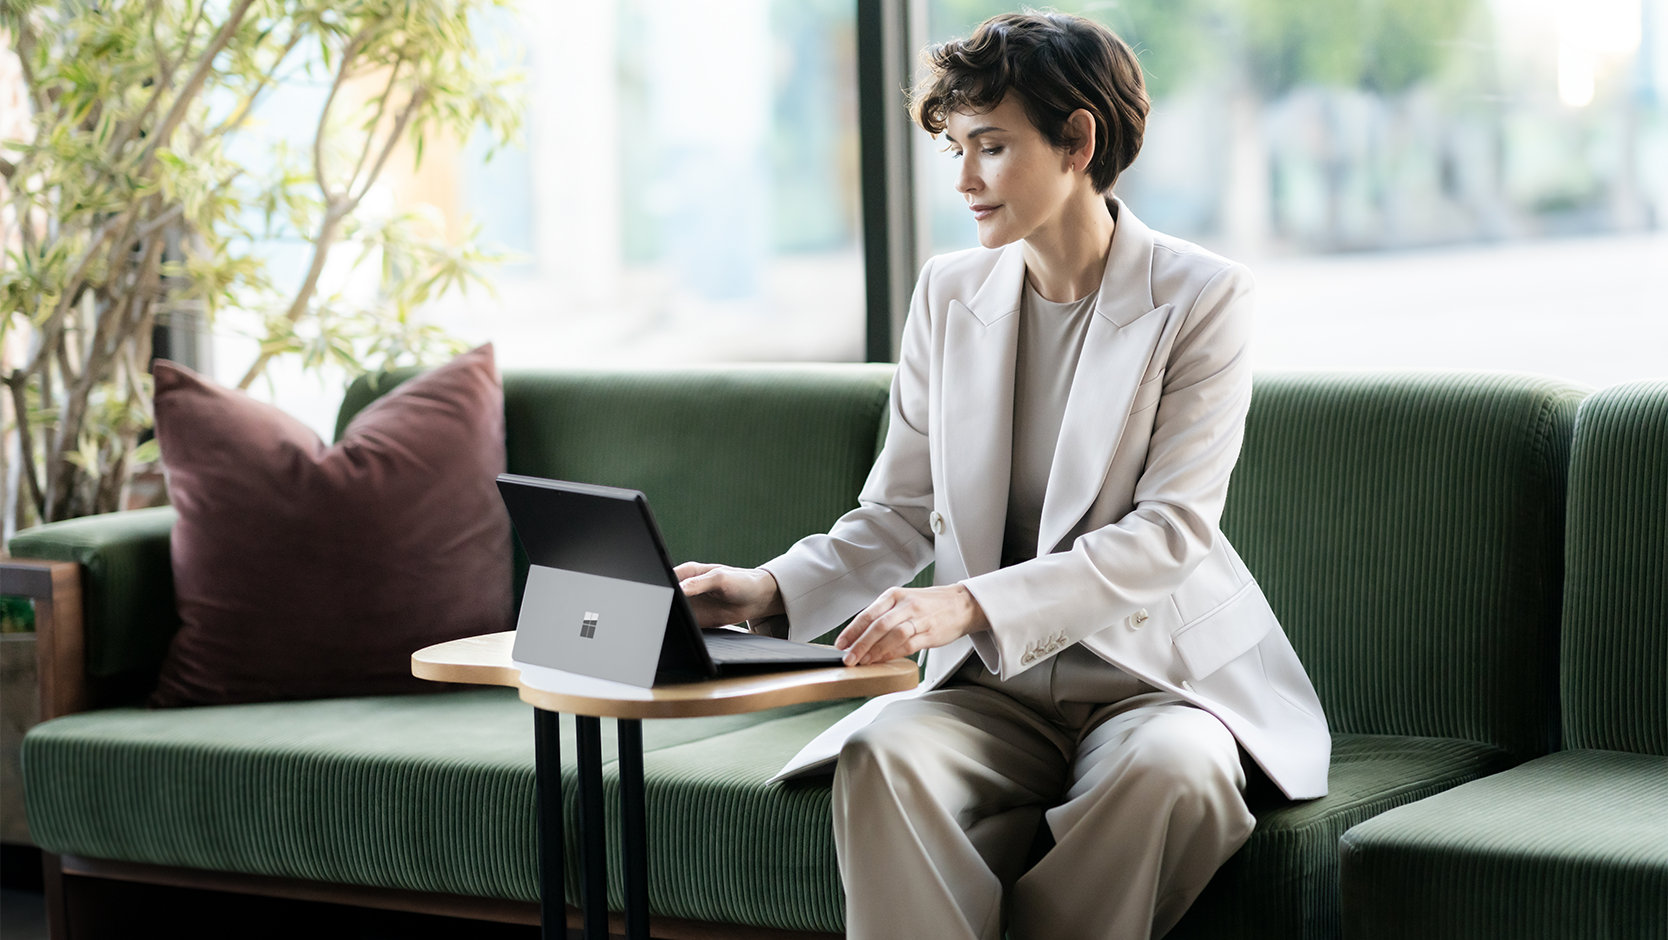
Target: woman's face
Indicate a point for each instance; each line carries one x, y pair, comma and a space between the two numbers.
1015, 182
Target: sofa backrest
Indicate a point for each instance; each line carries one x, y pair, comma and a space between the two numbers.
1615, 636
1407, 529
738, 463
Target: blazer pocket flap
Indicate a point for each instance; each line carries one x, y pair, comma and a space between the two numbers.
1220, 636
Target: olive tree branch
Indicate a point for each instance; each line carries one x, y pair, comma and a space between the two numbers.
376, 121
18, 382
25, 41
348, 55
194, 84
410, 110
165, 74
100, 351
155, 7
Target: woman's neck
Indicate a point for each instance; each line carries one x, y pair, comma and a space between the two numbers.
1065, 261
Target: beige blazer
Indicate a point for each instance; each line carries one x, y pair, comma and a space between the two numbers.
1130, 560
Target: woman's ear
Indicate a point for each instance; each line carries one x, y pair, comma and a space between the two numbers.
1080, 124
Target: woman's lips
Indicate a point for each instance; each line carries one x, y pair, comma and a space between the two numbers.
983, 212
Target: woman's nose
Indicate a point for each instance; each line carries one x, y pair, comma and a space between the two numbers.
966, 180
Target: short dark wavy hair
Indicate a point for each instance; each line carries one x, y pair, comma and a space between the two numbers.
1055, 63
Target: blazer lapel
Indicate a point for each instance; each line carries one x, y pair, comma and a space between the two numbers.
1118, 344
981, 340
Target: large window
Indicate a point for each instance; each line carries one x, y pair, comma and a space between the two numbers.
688, 190
1460, 184
1456, 184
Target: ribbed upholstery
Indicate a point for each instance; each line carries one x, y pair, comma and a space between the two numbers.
1408, 531
1615, 641
433, 793
1572, 845
127, 584
1283, 885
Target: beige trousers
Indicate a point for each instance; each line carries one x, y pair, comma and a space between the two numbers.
937, 803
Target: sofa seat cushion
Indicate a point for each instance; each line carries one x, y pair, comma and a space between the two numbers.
434, 793
1284, 882
1574, 844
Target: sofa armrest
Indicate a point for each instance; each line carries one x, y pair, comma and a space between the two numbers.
126, 599
55, 589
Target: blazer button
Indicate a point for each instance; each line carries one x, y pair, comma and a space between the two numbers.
936, 521
1141, 616
1027, 659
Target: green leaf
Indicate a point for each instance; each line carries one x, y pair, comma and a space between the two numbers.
148, 452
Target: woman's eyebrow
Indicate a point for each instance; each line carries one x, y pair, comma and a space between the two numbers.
975, 132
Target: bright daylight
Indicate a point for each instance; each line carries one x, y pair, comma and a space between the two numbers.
834, 469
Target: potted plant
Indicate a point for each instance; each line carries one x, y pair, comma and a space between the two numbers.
125, 200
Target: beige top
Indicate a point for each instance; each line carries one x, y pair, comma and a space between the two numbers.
1050, 343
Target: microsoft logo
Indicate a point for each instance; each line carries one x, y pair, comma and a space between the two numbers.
588, 628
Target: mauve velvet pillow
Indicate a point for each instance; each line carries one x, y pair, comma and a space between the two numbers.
305, 571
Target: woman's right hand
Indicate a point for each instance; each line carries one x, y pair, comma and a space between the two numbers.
722, 595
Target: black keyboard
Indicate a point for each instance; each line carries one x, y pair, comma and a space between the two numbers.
728, 646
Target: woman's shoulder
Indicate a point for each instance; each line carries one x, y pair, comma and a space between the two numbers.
1170, 250
1180, 266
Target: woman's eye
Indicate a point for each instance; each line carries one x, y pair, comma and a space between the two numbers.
991, 151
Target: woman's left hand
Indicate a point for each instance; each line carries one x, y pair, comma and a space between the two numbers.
904, 620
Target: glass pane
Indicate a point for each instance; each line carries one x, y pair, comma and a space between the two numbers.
1466, 184
688, 190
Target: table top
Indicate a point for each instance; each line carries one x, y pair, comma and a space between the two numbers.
485, 660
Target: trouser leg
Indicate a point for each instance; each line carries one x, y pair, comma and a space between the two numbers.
934, 802
1154, 807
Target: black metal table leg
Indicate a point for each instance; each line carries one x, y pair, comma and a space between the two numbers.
593, 840
547, 748
634, 830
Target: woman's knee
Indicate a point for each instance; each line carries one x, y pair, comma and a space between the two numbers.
883, 747
1185, 753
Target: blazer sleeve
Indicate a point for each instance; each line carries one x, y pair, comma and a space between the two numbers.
1141, 559
886, 540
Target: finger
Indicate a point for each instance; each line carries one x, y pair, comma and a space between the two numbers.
861, 622
858, 650
702, 583
889, 629
691, 568
905, 638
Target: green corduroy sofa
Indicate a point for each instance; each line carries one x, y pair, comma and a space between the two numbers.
1408, 528
1573, 844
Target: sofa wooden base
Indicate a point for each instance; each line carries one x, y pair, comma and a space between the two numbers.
67, 876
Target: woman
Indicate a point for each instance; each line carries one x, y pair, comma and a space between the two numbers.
1068, 405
